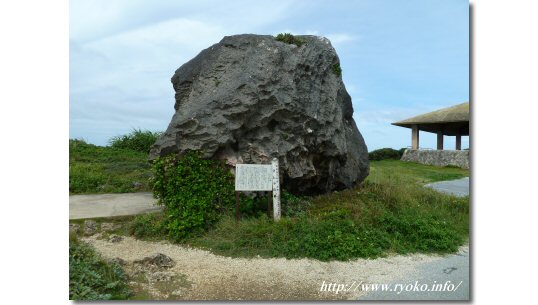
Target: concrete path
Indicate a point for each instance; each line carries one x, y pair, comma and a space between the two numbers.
450, 273
108, 205
458, 187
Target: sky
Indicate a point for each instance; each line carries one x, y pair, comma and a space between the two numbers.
399, 58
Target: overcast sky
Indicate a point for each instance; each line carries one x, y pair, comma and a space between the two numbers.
399, 58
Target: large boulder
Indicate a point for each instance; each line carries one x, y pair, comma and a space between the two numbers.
250, 98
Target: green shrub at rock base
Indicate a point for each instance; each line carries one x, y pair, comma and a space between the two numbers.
194, 191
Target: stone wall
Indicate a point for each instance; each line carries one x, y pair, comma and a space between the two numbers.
459, 158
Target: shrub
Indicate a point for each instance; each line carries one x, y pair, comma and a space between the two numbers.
337, 69
385, 153
93, 278
136, 140
194, 191
290, 39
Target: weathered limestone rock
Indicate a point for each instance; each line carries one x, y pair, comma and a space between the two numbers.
250, 98
157, 260
90, 227
115, 238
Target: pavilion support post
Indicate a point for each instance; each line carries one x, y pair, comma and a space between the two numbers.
415, 136
440, 139
458, 142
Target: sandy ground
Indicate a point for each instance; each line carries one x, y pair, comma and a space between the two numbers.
201, 275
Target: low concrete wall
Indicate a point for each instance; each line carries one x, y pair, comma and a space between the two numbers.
459, 158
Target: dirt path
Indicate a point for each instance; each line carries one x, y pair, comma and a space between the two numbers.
201, 275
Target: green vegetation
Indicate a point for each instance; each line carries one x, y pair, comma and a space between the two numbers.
97, 169
150, 226
385, 153
396, 172
93, 278
290, 39
194, 191
391, 212
337, 69
369, 221
138, 140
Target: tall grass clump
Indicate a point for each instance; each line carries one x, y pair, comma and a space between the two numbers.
138, 140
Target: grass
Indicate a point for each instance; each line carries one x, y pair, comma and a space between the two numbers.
366, 222
138, 139
290, 39
98, 169
93, 278
399, 172
391, 212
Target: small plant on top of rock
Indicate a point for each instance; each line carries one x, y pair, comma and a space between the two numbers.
290, 39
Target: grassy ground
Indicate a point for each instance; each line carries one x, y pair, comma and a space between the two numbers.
98, 169
398, 172
391, 212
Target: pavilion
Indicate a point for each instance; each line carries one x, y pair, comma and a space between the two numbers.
451, 121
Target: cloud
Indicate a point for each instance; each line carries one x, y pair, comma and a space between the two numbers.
335, 38
123, 54
340, 38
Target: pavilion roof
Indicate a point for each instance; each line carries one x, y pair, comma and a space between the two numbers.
452, 120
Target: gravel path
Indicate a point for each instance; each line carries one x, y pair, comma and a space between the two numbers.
213, 277
452, 269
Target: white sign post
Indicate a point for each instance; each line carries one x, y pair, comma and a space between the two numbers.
259, 177
276, 190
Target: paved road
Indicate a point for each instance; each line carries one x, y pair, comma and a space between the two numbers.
459, 187
108, 205
453, 268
